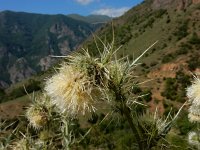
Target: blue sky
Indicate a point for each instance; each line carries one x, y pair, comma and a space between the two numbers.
112, 8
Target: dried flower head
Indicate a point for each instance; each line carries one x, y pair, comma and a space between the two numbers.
193, 92
193, 117
194, 113
193, 139
37, 116
71, 91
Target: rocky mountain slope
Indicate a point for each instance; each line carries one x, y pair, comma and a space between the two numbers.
175, 24
27, 41
178, 4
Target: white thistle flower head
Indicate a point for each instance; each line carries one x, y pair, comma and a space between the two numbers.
194, 113
193, 92
193, 117
193, 139
37, 117
71, 91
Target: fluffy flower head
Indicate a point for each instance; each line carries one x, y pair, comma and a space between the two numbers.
37, 117
71, 91
193, 139
193, 92
194, 113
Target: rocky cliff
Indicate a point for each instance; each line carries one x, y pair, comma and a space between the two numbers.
177, 4
27, 41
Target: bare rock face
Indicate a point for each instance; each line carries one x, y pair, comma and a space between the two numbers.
62, 30
157, 4
20, 70
195, 1
3, 84
182, 4
64, 48
46, 62
177, 4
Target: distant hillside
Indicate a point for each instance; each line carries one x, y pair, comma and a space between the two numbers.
94, 19
27, 40
176, 26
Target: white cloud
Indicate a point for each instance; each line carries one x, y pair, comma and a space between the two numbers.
84, 2
112, 12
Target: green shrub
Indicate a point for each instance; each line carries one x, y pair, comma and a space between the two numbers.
183, 79
184, 49
168, 19
195, 40
174, 88
170, 90
182, 30
147, 95
136, 89
160, 13
153, 63
167, 58
149, 23
194, 62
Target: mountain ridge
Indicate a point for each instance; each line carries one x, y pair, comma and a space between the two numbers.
91, 18
27, 40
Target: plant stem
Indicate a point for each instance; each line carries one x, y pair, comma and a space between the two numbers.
66, 135
198, 132
126, 112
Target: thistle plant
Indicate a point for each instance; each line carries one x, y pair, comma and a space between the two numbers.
86, 80
46, 128
78, 86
